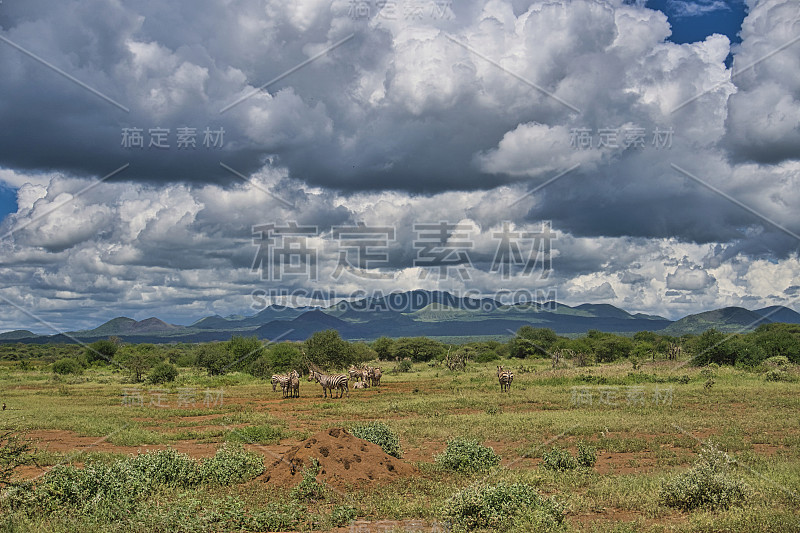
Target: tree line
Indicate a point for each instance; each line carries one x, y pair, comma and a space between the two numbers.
327, 350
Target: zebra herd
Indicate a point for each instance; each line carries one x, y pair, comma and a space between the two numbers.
363, 377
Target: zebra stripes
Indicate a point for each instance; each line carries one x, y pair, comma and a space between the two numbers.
505, 377
338, 381
290, 384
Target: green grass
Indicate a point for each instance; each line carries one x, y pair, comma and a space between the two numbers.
640, 445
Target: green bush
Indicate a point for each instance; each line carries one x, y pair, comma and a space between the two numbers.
102, 351
380, 434
467, 456
558, 459
67, 365
709, 483
404, 366
309, 489
261, 368
778, 361
231, 464
486, 357
777, 375
163, 373
502, 506
587, 455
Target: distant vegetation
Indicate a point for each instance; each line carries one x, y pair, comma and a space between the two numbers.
770, 347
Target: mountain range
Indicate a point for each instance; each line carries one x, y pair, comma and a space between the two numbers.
416, 313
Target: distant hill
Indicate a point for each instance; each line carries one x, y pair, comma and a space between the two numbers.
16, 335
779, 313
127, 326
727, 320
417, 313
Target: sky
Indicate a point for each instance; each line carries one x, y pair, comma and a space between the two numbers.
184, 159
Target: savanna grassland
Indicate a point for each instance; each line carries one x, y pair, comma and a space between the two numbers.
644, 427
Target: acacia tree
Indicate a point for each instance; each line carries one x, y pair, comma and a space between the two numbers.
137, 359
327, 349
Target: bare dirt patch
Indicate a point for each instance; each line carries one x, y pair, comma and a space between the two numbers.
345, 461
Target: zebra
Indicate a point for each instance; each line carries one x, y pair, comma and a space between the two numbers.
374, 376
279, 379
361, 385
331, 382
505, 377
356, 374
294, 384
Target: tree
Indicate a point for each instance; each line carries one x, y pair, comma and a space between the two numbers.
242, 352
608, 347
285, 356
214, 357
327, 349
102, 351
383, 347
418, 348
137, 359
163, 372
712, 347
532, 342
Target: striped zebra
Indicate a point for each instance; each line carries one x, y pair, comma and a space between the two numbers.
356, 374
331, 382
294, 384
282, 380
374, 376
505, 377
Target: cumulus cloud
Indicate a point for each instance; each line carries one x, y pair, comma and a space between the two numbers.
461, 115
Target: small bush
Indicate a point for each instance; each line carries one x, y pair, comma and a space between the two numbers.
231, 464
558, 459
486, 357
587, 455
777, 375
67, 365
342, 515
709, 483
501, 506
467, 456
309, 489
380, 434
778, 361
404, 366
163, 373
264, 434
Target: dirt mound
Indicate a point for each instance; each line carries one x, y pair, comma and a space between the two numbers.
344, 460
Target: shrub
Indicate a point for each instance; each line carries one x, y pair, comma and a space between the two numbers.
404, 366
587, 455
777, 375
67, 365
380, 434
15, 451
168, 467
261, 368
778, 361
709, 483
558, 459
467, 456
498, 507
486, 357
309, 489
231, 464
163, 373
102, 351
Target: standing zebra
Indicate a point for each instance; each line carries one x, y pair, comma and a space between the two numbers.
374, 376
279, 379
505, 377
294, 384
338, 381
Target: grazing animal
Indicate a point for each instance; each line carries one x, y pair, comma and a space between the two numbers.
338, 381
505, 377
361, 385
356, 374
279, 379
294, 384
374, 376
